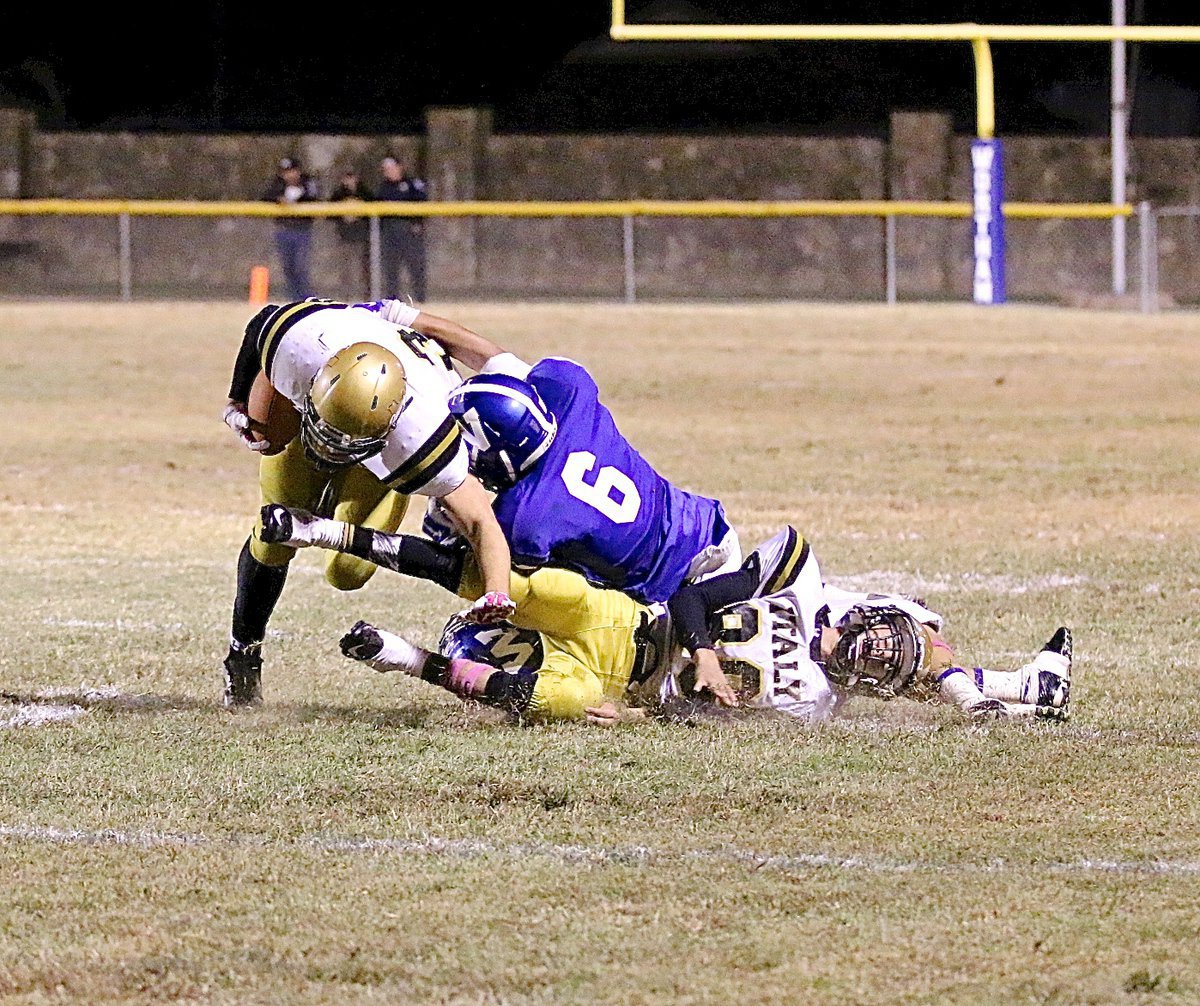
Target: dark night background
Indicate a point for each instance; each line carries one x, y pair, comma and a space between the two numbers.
371, 67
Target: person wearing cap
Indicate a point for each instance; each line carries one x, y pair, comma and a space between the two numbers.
293, 234
402, 239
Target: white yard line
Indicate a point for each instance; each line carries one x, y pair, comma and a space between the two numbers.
64, 703
471, 848
31, 715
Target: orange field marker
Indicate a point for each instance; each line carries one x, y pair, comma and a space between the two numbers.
260, 284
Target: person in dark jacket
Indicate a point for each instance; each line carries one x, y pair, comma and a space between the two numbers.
293, 235
402, 239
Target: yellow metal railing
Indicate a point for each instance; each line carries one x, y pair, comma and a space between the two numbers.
581, 208
625, 210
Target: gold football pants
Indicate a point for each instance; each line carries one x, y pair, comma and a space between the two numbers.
358, 497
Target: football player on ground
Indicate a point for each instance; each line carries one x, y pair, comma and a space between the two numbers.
770, 635
572, 492
371, 390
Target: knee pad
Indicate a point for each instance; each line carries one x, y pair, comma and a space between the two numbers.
348, 572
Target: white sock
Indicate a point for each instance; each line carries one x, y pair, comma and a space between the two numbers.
398, 654
1022, 685
1048, 660
325, 532
957, 686
1010, 686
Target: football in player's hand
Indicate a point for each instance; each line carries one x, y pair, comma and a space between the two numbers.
272, 417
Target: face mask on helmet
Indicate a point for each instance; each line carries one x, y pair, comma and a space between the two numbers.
506, 425
352, 405
329, 448
879, 651
501, 645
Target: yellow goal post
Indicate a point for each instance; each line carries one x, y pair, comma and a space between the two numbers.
986, 151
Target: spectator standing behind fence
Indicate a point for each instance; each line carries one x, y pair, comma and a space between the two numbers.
354, 245
293, 235
402, 239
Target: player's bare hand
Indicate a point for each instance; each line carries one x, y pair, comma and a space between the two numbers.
494, 606
710, 677
609, 714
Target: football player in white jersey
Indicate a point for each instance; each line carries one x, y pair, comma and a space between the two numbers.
771, 635
370, 388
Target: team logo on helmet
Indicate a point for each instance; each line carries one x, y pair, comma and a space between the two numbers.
879, 651
501, 645
506, 425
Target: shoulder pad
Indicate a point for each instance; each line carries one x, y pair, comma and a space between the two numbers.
777, 561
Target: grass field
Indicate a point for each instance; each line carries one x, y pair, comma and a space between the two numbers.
366, 839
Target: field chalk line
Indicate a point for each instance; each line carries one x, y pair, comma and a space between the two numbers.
474, 848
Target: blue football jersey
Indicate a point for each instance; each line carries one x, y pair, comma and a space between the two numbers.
595, 505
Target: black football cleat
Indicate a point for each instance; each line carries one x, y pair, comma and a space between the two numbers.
1060, 642
437, 526
986, 710
243, 678
362, 642
1054, 676
276, 524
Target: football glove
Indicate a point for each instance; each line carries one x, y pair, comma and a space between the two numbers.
494, 606
238, 419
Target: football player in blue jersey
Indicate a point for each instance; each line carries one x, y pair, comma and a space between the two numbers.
571, 492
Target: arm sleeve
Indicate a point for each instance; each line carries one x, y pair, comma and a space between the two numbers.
247, 365
692, 605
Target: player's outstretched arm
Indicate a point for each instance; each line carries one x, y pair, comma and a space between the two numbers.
460, 342
609, 714
710, 678
471, 508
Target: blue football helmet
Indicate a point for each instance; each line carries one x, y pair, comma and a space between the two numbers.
501, 645
506, 425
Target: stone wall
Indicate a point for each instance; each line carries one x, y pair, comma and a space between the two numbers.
820, 258
823, 257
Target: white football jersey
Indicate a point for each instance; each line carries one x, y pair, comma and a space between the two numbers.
769, 646
424, 453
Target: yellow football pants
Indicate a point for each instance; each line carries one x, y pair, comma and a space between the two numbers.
587, 635
291, 479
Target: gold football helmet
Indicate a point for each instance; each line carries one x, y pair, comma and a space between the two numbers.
352, 405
